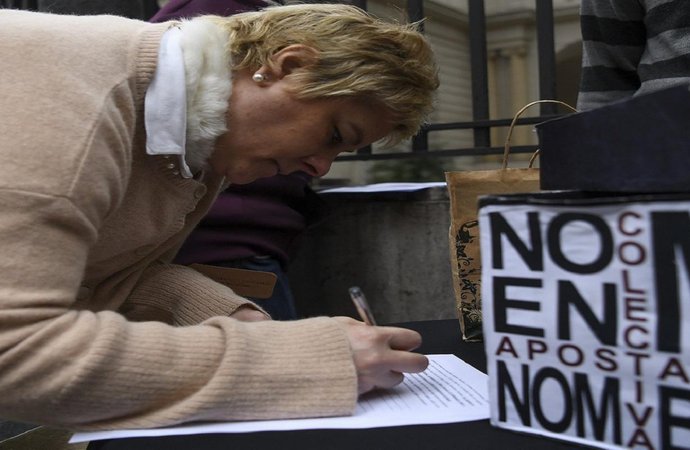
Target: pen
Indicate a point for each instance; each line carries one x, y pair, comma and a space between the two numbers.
362, 306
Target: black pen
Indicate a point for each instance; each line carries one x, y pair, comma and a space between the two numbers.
362, 306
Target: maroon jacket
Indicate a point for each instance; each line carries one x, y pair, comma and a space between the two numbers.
265, 217
177, 9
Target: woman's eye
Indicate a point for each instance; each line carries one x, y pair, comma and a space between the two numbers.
336, 138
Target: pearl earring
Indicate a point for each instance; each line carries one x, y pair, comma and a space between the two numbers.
259, 77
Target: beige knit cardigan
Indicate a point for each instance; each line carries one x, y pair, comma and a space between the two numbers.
88, 225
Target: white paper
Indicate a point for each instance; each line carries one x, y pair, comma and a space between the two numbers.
449, 390
384, 187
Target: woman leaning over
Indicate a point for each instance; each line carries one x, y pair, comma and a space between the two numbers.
116, 136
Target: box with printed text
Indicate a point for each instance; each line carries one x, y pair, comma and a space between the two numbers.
586, 315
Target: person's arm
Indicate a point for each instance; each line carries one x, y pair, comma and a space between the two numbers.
179, 295
95, 370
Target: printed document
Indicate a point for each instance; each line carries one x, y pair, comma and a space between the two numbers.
384, 187
449, 390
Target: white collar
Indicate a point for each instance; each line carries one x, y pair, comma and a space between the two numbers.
165, 104
187, 101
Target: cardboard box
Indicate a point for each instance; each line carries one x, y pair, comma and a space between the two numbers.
632, 146
586, 313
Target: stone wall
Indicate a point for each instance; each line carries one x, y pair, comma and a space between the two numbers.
392, 245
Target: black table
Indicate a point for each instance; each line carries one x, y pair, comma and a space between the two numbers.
440, 336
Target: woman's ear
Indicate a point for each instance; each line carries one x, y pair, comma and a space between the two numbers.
291, 58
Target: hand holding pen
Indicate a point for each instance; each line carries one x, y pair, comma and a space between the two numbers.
361, 305
380, 354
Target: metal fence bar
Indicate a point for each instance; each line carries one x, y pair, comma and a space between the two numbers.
359, 3
364, 151
454, 152
19, 4
489, 123
546, 49
415, 13
478, 63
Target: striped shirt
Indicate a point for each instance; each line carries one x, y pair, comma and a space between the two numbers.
632, 47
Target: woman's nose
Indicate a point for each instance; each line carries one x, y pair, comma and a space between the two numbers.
320, 163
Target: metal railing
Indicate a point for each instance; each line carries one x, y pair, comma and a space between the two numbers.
31, 5
481, 124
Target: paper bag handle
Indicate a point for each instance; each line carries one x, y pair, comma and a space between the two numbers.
506, 147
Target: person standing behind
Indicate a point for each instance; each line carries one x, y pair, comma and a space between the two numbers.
632, 48
256, 226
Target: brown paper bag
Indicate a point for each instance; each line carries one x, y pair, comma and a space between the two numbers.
464, 188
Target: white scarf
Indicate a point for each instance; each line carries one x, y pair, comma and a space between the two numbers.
190, 91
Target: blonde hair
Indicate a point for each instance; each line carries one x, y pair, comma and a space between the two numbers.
357, 56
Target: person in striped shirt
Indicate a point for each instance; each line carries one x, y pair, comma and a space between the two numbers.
632, 47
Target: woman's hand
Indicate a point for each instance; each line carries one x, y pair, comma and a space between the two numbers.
246, 313
382, 354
